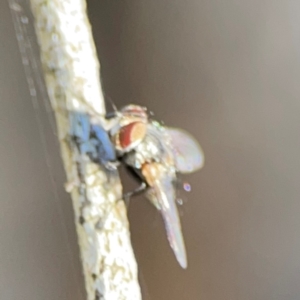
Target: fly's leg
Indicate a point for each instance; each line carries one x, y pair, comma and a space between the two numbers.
111, 115
112, 165
139, 190
126, 197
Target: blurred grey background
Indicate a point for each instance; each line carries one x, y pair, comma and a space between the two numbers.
226, 71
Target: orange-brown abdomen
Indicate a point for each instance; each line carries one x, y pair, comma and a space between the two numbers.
151, 172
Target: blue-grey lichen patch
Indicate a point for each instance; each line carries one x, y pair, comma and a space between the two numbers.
72, 75
92, 139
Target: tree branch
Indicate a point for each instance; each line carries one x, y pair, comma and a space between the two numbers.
71, 71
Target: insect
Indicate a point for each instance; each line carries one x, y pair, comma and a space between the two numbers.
155, 154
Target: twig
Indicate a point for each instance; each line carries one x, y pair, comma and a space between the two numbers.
71, 72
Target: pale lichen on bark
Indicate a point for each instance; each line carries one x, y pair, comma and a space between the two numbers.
71, 72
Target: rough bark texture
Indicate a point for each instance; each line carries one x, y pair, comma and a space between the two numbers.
71, 73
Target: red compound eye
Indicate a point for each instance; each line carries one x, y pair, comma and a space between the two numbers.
132, 134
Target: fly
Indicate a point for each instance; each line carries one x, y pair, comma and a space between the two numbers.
156, 154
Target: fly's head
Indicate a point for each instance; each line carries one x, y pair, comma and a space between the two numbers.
131, 128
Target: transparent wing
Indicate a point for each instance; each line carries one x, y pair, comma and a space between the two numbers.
189, 156
162, 195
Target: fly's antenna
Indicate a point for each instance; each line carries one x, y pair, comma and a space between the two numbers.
115, 109
112, 114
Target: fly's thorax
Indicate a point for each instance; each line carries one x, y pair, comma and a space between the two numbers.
155, 147
151, 149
